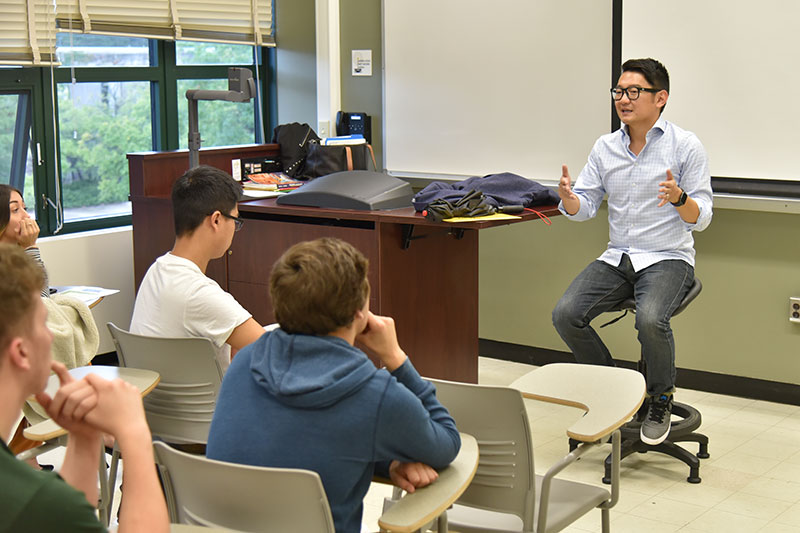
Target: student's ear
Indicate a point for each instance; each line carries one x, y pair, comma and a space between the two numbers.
215, 219
360, 318
15, 353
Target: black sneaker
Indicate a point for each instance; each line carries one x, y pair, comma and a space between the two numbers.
655, 427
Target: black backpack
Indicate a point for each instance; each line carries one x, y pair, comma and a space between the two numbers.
294, 139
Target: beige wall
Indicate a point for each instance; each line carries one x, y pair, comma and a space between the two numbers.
98, 258
295, 60
749, 263
360, 29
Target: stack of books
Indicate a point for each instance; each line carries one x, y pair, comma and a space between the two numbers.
271, 181
343, 140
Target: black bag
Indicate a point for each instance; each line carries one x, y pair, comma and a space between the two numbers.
294, 139
323, 160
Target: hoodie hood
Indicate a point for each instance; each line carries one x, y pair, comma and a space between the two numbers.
308, 371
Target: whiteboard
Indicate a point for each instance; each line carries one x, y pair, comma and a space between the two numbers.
734, 73
474, 87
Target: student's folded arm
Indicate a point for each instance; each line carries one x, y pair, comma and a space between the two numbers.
413, 426
245, 333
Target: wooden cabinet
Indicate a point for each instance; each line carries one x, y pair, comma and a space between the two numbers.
424, 274
261, 242
151, 177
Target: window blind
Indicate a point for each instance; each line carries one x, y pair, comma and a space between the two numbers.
27, 32
28, 27
231, 21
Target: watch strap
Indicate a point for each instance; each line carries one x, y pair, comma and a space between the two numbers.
681, 200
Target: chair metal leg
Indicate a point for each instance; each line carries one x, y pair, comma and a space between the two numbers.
103, 505
605, 521
701, 440
112, 477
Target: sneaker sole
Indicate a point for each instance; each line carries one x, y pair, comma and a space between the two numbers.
653, 442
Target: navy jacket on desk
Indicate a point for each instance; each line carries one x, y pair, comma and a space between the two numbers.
318, 403
500, 189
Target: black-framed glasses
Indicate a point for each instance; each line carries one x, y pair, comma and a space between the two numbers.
632, 92
236, 220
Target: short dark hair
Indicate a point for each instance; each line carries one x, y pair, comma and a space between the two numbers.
22, 282
198, 193
5, 198
653, 71
317, 286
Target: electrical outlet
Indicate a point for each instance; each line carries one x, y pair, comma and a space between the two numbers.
794, 310
323, 128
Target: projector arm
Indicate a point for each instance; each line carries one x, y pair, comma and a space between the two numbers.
241, 88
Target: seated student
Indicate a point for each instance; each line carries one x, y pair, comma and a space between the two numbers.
17, 227
176, 298
303, 396
33, 500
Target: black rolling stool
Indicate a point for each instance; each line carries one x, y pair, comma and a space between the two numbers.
681, 430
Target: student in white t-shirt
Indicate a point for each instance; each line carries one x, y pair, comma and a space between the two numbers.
176, 298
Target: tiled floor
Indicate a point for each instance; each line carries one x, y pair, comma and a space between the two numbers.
750, 483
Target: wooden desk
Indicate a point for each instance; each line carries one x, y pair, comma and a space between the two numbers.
423, 274
431, 501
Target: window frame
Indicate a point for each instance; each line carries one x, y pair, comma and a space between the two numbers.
163, 75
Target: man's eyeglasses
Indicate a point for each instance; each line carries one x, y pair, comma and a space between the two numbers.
236, 220
632, 92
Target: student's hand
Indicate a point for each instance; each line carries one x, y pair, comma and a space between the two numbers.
119, 411
71, 403
571, 201
381, 338
28, 233
669, 190
411, 476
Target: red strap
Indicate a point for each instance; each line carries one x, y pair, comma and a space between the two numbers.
544, 217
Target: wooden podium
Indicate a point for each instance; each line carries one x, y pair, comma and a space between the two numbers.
423, 274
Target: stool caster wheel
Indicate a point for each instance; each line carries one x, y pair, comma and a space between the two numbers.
607, 480
703, 455
692, 479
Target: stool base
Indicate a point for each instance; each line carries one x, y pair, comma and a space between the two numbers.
682, 430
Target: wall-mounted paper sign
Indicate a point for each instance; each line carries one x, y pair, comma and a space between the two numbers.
362, 62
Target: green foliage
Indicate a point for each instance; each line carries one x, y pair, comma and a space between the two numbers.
8, 118
8, 114
197, 53
98, 127
220, 123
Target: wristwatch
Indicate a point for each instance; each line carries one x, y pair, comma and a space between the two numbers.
681, 200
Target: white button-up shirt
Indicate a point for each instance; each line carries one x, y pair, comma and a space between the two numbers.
637, 226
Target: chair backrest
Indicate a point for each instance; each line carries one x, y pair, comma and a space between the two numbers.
505, 480
245, 498
180, 408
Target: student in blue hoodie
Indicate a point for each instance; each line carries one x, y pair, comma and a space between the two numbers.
303, 396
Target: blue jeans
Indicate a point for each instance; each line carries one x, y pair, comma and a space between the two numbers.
658, 290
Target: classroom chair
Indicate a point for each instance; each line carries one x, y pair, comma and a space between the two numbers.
180, 408
506, 494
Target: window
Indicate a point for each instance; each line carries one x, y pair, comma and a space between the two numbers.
220, 123
113, 95
87, 50
16, 163
99, 123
